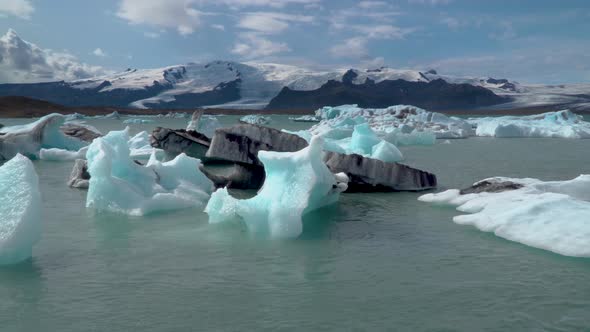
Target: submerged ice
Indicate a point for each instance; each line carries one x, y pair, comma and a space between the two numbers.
20, 210
118, 184
296, 183
552, 215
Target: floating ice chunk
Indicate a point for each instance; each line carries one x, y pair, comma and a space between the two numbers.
118, 184
363, 139
386, 152
204, 124
553, 215
30, 138
561, 124
62, 155
256, 119
305, 118
296, 183
137, 121
20, 210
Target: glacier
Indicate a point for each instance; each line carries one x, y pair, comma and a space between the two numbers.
296, 183
552, 215
118, 184
30, 138
560, 124
20, 210
256, 119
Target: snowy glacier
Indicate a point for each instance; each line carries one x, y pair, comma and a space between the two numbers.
20, 210
560, 124
553, 215
296, 183
30, 138
118, 184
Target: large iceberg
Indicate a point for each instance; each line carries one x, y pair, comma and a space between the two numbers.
29, 139
255, 119
399, 119
118, 184
137, 121
553, 215
296, 183
20, 210
561, 124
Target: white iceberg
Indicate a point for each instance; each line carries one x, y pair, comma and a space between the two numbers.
20, 210
553, 215
118, 184
137, 121
55, 154
256, 119
29, 139
410, 120
561, 124
305, 118
296, 183
139, 146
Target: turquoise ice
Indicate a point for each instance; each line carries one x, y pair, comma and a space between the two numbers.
118, 184
20, 210
296, 183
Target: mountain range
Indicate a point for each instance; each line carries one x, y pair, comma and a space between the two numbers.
251, 85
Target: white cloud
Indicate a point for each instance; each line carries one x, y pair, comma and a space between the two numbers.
431, 2
174, 14
218, 27
372, 4
21, 61
270, 22
99, 52
351, 48
252, 45
18, 8
152, 35
381, 31
264, 3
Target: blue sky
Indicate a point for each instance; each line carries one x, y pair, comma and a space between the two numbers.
531, 41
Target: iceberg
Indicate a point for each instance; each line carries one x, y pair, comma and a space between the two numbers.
54, 154
29, 139
561, 124
256, 119
552, 215
204, 124
20, 210
137, 121
410, 120
118, 184
296, 183
305, 118
139, 145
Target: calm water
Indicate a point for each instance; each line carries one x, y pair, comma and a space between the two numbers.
373, 262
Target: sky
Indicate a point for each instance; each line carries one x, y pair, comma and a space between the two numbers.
532, 41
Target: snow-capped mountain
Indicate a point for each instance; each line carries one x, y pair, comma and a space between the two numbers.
249, 85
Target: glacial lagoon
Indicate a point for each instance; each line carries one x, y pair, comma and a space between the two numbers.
381, 261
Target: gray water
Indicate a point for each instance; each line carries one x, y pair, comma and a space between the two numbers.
372, 262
